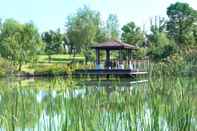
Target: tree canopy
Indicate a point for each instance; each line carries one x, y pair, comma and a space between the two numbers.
181, 21
82, 28
132, 34
19, 42
112, 27
54, 42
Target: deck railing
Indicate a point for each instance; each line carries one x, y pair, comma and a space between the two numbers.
142, 65
137, 65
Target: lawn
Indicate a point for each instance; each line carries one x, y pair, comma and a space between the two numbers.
56, 61
59, 59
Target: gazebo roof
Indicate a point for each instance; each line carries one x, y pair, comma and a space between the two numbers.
114, 45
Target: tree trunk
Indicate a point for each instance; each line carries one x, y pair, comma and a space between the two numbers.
86, 60
74, 54
19, 67
49, 58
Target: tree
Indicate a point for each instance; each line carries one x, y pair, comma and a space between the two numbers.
160, 46
112, 27
195, 32
132, 34
82, 29
181, 20
19, 42
54, 42
101, 35
158, 25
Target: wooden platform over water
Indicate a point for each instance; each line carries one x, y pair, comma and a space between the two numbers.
116, 72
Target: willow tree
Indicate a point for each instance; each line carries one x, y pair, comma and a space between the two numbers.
19, 43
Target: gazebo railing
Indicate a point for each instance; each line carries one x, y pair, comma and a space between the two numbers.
136, 65
139, 65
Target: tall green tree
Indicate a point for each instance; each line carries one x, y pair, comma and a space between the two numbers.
19, 43
181, 20
112, 27
160, 45
132, 34
54, 42
195, 32
82, 28
101, 35
158, 24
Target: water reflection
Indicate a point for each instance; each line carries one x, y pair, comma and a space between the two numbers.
58, 104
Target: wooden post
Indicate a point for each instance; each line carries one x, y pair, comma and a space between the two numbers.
130, 54
119, 55
107, 58
97, 56
128, 58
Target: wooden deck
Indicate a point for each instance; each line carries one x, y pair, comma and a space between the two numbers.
117, 72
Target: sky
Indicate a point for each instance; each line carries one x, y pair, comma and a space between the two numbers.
52, 14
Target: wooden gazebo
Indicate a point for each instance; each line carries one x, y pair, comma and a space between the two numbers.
133, 65
109, 46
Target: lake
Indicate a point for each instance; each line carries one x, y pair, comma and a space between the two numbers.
57, 104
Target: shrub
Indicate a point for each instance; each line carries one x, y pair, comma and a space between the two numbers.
50, 70
2, 73
5, 67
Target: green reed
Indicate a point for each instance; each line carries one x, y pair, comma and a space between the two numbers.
160, 104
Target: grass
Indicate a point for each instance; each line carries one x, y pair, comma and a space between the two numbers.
57, 65
59, 58
51, 69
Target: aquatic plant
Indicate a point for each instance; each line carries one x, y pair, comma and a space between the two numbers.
160, 104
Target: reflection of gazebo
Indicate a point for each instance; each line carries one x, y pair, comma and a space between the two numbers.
111, 45
134, 67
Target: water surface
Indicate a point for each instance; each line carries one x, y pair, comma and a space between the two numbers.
97, 105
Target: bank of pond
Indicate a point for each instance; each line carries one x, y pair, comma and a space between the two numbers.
90, 104
69, 69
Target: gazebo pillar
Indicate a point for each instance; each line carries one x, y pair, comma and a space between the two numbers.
98, 59
130, 54
107, 58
